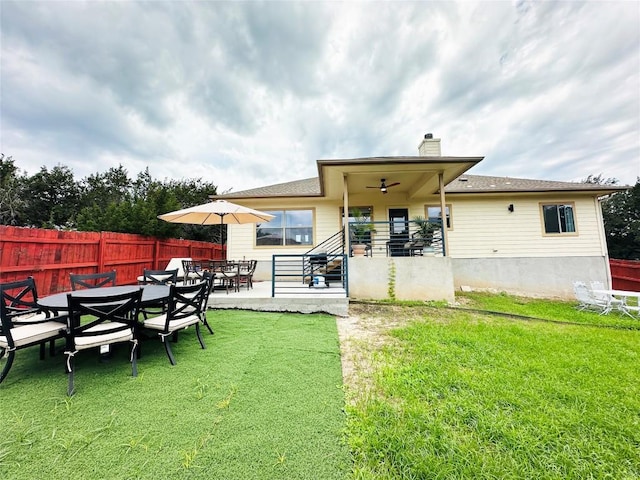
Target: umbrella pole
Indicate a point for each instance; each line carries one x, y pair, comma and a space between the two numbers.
224, 250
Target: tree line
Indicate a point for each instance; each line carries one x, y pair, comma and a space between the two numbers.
108, 201
112, 201
621, 214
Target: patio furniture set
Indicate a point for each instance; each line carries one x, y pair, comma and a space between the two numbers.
603, 300
97, 314
229, 275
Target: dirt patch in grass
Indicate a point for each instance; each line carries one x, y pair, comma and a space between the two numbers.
362, 334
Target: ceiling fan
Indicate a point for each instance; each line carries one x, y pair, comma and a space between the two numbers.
383, 186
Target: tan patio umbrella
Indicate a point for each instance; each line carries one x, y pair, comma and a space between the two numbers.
218, 212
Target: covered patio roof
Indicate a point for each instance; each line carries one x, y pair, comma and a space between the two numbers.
417, 176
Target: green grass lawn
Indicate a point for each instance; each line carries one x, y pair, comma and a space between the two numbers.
264, 400
464, 395
456, 394
554, 310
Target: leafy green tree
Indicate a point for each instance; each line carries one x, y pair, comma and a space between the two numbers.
108, 201
621, 213
600, 180
51, 198
102, 189
11, 195
136, 211
192, 192
159, 199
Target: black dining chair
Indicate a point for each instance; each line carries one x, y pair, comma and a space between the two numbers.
92, 280
184, 309
194, 270
230, 275
23, 323
112, 319
159, 277
209, 278
246, 269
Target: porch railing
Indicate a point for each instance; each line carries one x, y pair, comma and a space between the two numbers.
298, 273
396, 239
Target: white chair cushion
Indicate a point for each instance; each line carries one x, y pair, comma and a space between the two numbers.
34, 333
161, 278
157, 323
29, 317
37, 317
82, 343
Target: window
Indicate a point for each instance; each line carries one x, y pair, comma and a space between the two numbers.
558, 218
434, 214
289, 227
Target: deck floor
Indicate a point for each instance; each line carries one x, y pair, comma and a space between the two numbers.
290, 297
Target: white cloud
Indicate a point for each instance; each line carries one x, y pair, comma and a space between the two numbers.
247, 94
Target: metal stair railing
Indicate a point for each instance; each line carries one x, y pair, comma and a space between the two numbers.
325, 253
327, 260
288, 275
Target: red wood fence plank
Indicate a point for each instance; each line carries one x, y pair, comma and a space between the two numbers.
50, 255
625, 274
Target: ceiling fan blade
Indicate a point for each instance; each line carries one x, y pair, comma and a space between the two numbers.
393, 184
377, 186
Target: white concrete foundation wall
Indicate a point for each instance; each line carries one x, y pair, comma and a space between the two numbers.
437, 278
549, 277
411, 278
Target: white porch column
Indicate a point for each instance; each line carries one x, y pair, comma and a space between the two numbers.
345, 217
443, 210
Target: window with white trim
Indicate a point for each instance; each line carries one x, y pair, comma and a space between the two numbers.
559, 218
287, 228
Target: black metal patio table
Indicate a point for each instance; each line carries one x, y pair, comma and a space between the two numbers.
151, 295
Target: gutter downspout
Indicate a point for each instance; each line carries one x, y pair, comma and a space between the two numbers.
603, 239
443, 213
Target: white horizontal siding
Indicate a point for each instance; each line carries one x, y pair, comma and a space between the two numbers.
484, 228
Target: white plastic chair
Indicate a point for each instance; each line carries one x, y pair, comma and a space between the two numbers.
612, 302
587, 301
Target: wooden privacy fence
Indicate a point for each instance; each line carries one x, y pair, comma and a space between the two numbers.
51, 255
625, 274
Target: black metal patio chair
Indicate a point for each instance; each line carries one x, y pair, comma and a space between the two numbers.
184, 309
23, 323
93, 280
113, 319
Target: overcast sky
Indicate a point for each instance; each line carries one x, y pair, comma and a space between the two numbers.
245, 94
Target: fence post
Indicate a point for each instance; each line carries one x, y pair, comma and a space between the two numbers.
101, 248
156, 253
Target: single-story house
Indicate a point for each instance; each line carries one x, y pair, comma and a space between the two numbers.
530, 237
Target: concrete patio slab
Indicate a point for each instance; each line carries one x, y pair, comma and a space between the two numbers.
291, 297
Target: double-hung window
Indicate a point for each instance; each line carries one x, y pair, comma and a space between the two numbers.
559, 218
288, 228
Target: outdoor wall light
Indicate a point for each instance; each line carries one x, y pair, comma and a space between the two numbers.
510, 207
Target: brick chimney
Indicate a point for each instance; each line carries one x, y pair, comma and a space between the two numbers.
429, 147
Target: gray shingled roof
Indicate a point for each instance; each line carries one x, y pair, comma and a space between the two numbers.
463, 184
480, 183
298, 188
